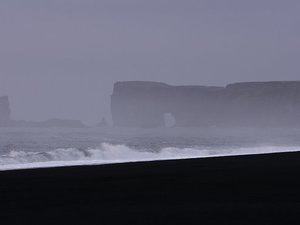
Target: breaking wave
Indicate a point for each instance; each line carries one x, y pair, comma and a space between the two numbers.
109, 153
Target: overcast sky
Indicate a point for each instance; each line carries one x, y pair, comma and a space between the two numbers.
60, 58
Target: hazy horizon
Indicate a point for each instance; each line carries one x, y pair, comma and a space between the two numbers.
60, 58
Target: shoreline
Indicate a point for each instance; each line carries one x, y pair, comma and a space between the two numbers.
247, 189
92, 162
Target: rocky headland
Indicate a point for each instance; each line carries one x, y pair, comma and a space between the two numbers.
251, 104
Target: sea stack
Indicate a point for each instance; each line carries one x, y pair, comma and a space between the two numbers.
251, 104
4, 111
102, 123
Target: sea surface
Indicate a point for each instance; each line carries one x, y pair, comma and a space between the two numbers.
34, 148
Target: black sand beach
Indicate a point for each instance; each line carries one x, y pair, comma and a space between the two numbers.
257, 189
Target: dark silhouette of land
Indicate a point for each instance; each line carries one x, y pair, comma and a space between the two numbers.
256, 189
52, 123
6, 121
250, 104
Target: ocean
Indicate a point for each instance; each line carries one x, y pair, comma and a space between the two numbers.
22, 148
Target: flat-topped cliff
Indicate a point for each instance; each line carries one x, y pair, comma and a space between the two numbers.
251, 104
4, 110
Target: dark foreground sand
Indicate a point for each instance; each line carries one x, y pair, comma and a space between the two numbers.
259, 189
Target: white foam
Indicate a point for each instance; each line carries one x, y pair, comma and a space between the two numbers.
109, 153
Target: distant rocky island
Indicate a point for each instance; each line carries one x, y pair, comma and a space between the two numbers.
251, 104
6, 121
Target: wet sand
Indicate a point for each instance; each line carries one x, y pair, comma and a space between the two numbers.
257, 189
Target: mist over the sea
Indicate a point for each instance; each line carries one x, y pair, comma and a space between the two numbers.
60, 58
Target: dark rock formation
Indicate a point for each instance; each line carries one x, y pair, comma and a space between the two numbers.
253, 104
4, 111
140, 104
103, 123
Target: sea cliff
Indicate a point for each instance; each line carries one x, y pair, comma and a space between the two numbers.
251, 104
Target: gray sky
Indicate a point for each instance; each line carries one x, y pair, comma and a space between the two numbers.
60, 58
